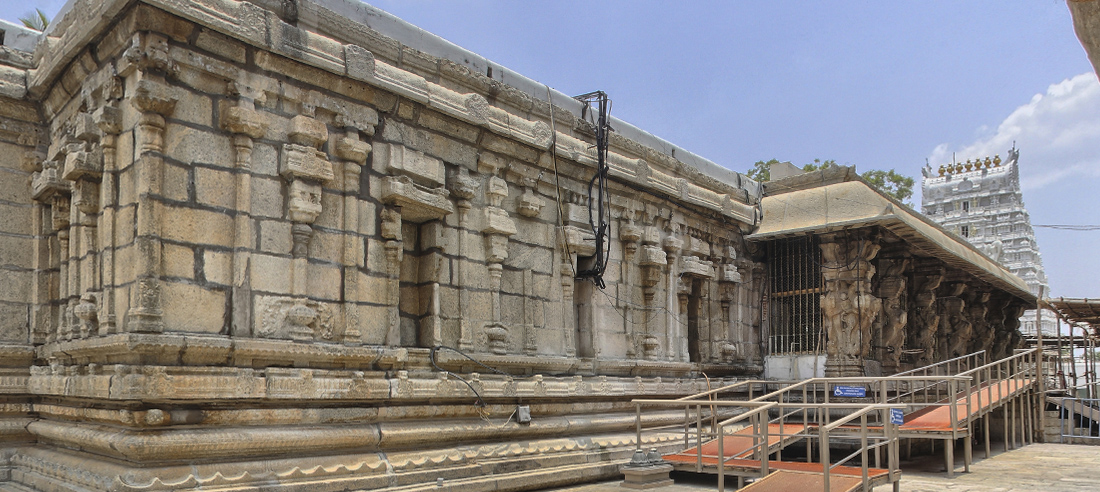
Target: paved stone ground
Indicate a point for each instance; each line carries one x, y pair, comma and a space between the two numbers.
1034, 468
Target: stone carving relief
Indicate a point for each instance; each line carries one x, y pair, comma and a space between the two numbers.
293, 319
892, 289
925, 318
848, 307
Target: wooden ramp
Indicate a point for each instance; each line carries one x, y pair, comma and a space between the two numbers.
786, 480
937, 419
736, 445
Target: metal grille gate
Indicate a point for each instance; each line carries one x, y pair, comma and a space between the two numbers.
794, 296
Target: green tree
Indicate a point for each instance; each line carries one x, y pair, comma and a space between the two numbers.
890, 182
898, 186
761, 171
37, 20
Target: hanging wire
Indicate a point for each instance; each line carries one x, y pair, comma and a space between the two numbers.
599, 200
431, 356
557, 182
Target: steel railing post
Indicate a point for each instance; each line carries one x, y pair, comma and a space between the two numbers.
863, 450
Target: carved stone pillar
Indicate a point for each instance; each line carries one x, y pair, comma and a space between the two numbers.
47, 187
891, 287
353, 153
849, 308
995, 320
977, 310
246, 124
953, 324
924, 319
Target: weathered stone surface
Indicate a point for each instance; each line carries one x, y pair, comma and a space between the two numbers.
293, 210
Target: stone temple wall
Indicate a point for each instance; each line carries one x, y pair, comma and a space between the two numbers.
229, 242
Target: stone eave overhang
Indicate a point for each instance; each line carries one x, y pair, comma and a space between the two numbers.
1086, 23
325, 35
838, 199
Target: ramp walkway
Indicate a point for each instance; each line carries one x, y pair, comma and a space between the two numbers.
941, 402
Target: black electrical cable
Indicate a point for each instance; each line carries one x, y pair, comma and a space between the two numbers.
431, 356
599, 201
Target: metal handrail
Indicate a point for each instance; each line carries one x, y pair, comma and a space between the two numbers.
944, 362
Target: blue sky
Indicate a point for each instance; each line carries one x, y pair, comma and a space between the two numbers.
870, 84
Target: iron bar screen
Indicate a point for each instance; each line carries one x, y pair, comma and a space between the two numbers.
794, 296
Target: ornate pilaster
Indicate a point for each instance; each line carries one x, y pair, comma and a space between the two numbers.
84, 167
391, 233
48, 188
144, 66
629, 235
246, 124
674, 329
498, 227
305, 168
848, 307
108, 119
353, 153
729, 288
463, 188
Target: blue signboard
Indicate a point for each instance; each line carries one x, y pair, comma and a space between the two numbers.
850, 391
896, 416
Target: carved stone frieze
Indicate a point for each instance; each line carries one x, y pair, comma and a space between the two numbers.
294, 319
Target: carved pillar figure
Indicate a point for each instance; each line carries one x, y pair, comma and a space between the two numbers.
891, 288
953, 324
977, 310
996, 326
925, 319
849, 308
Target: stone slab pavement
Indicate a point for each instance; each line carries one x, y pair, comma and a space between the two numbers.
1033, 468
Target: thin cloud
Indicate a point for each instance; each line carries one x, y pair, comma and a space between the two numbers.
1058, 134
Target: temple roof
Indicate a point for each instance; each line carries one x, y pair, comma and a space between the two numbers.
837, 198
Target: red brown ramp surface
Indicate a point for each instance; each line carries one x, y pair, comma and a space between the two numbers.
797, 481
938, 418
738, 444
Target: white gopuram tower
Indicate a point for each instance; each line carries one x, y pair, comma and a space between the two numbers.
980, 200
